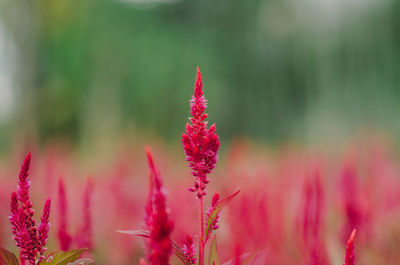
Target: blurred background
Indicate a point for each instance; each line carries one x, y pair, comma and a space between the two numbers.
88, 72
93, 80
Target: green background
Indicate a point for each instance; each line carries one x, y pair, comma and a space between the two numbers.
273, 70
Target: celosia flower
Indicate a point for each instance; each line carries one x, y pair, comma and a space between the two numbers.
160, 246
189, 250
43, 227
64, 238
30, 239
200, 143
349, 257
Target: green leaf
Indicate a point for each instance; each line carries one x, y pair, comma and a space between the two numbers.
179, 253
7, 257
213, 256
142, 233
213, 216
83, 261
62, 257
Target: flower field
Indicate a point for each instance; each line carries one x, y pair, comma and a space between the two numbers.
200, 202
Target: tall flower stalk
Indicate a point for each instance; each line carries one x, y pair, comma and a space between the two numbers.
201, 145
30, 238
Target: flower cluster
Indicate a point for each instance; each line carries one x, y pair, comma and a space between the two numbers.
200, 143
30, 239
157, 219
189, 250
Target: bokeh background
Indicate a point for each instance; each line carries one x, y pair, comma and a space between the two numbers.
305, 95
87, 72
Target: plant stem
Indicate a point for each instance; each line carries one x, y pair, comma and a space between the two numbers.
201, 241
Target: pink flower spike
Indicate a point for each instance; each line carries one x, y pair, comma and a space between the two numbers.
349, 257
43, 227
23, 239
22, 219
189, 250
200, 143
159, 224
64, 237
84, 238
23, 182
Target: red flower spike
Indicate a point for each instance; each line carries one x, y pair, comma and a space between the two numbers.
43, 227
158, 222
349, 257
31, 240
200, 143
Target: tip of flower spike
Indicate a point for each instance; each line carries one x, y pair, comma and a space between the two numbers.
198, 86
154, 174
25, 167
352, 236
46, 208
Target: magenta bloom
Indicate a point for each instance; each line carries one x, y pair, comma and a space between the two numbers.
158, 222
200, 143
30, 239
349, 257
43, 227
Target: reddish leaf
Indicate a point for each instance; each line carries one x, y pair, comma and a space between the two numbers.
254, 258
145, 233
142, 233
217, 209
7, 257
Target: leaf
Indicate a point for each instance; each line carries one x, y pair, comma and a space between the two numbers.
7, 257
84, 261
179, 253
250, 258
142, 233
146, 233
213, 256
217, 209
62, 257
254, 258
